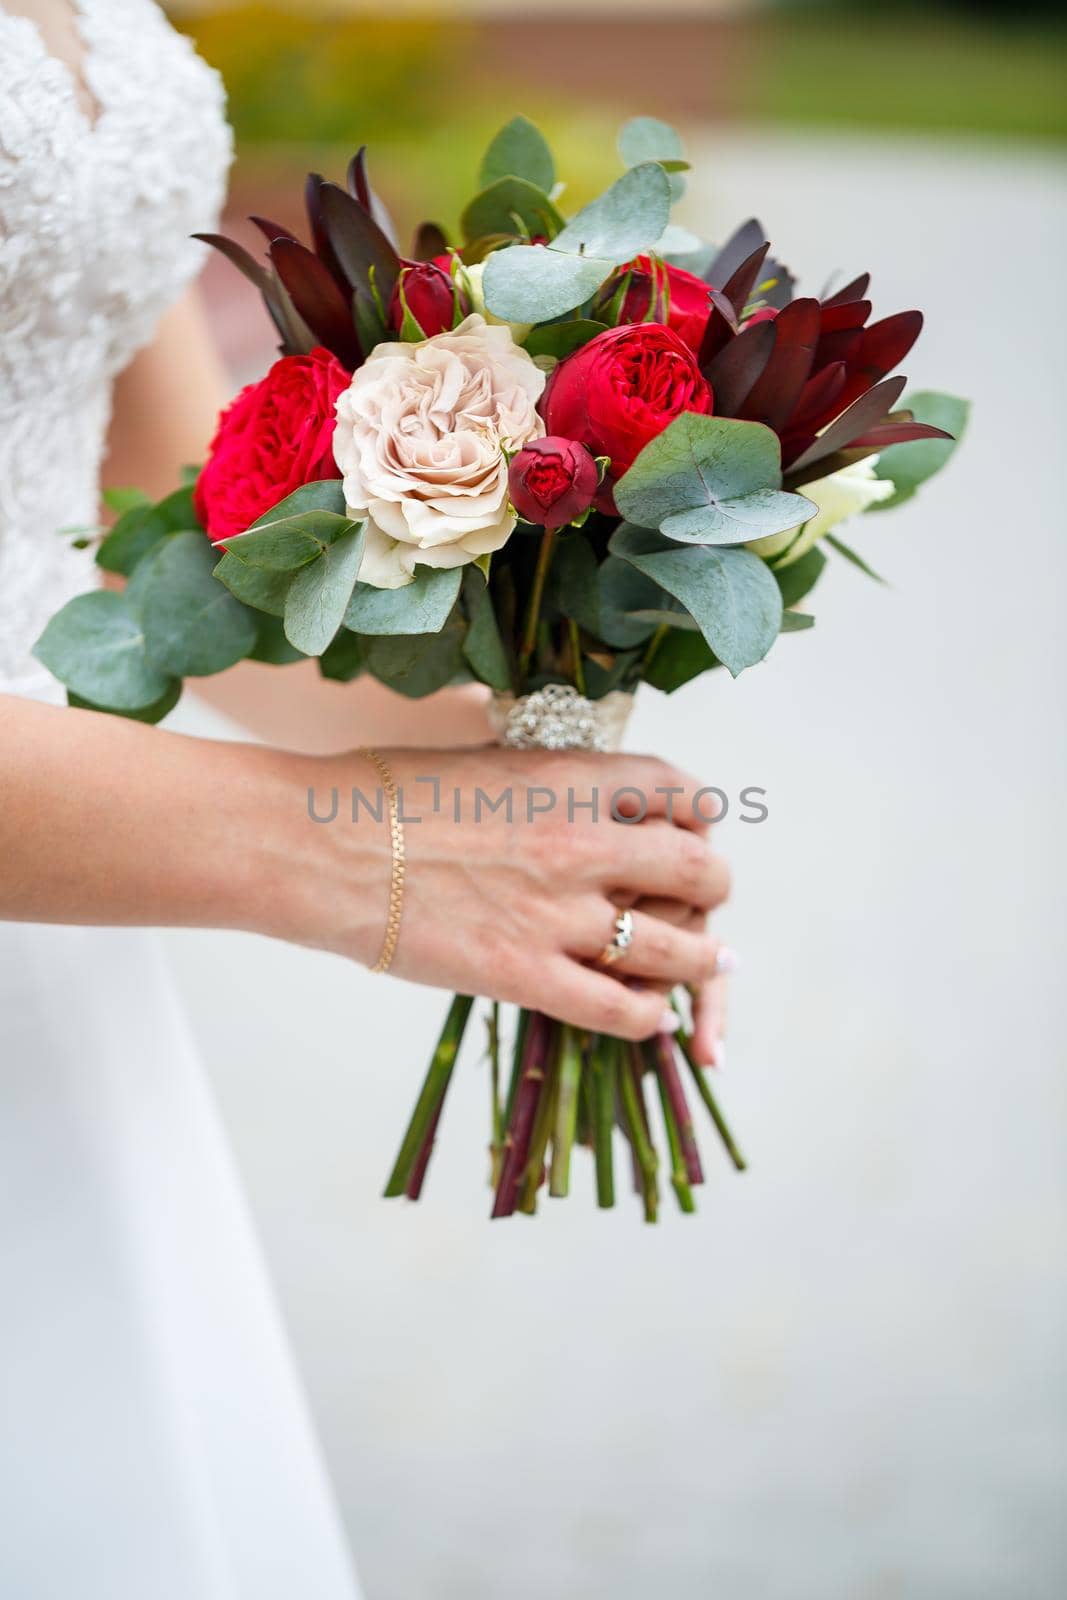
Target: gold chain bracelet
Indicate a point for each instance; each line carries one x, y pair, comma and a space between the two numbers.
396, 878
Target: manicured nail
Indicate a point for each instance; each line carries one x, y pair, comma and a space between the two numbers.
718, 1055
726, 961
670, 1022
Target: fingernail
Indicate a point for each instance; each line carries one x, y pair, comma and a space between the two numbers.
670, 1022
726, 961
718, 1055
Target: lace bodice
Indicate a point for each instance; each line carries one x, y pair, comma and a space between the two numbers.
95, 216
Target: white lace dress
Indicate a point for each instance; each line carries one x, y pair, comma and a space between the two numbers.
154, 1443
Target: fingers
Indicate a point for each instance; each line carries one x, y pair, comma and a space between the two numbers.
587, 998
640, 787
668, 863
658, 950
709, 1022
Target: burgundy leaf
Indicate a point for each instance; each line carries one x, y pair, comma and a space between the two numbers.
852, 291
737, 289
362, 249
319, 239
725, 308
898, 433
834, 319
776, 391
865, 413
819, 395
835, 347
737, 249
264, 281
317, 299
738, 365
795, 480
358, 187
297, 337
430, 241
883, 345
271, 230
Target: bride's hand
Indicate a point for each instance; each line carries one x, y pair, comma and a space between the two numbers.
515, 902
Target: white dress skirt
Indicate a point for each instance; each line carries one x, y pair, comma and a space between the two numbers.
155, 1443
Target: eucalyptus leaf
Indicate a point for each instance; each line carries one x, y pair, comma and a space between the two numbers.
296, 530
319, 594
519, 150
258, 587
796, 622
151, 714
731, 594
95, 646
560, 339
853, 557
510, 206
628, 218
649, 139
133, 535
678, 659
121, 500
421, 606
419, 665
800, 576
623, 589
192, 625
531, 283
909, 465
342, 660
573, 582
711, 480
483, 648
271, 646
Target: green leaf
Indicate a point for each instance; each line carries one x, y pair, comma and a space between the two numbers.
419, 665
796, 622
559, 339
800, 576
342, 660
295, 531
271, 646
319, 594
531, 283
96, 647
132, 537
711, 480
193, 626
679, 658
648, 139
510, 206
731, 594
623, 589
483, 648
628, 218
122, 500
421, 606
853, 556
573, 582
258, 587
519, 150
153, 713
909, 465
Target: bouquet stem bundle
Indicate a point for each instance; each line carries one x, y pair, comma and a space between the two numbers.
570, 1087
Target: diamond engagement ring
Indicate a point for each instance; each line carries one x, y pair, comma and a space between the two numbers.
621, 941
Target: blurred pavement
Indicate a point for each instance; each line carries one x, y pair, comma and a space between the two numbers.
844, 1379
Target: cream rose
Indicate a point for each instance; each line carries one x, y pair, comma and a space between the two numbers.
842, 494
420, 440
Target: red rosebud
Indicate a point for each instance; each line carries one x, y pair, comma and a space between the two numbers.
276, 436
552, 481
426, 289
622, 389
674, 296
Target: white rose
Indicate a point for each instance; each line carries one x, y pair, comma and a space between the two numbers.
842, 494
420, 439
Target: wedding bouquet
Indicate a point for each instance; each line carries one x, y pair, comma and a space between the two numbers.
561, 456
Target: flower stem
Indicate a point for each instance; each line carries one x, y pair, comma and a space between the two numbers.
566, 1117
536, 1040
496, 1108
434, 1088
633, 1105
533, 610
576, 655
679, 1179
665, 1065
709, 1100
534, 1175
653, 645
605, 1059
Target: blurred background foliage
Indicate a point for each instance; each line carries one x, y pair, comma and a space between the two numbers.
426, 90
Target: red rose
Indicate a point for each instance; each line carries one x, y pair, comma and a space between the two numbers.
552, 481
275, 437
425, 288
671, 290
620, 390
